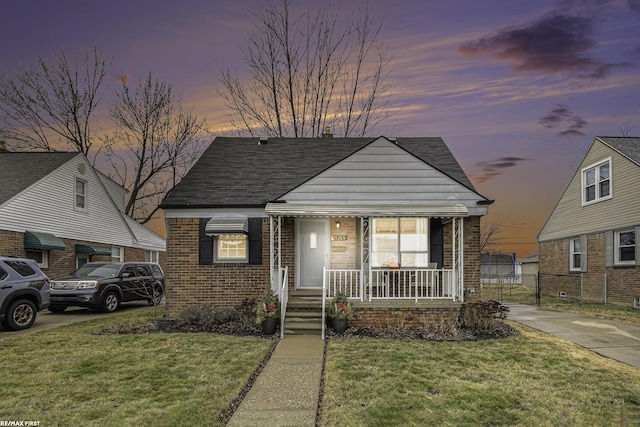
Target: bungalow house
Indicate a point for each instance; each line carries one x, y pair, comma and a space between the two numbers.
587, 245
58, 210
394, 223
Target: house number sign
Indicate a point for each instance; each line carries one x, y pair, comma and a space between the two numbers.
338, 237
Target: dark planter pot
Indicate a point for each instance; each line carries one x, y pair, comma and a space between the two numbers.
339, 325
269, 325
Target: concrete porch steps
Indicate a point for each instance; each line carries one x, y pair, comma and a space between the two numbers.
304, 313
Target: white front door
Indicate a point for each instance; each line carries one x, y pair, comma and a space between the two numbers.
312, 242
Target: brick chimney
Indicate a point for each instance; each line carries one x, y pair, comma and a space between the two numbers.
3, 146
327, 133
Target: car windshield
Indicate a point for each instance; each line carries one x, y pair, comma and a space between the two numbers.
97, 270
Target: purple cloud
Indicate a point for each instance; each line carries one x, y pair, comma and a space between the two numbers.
558, 43
492, 168
561, 114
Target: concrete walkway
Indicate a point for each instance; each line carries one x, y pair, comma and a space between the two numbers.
287, 390
616, 340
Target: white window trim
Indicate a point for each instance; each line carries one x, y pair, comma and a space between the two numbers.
583, 183
572, 253
218, 259
616, 242
85, 195
45, 257
151, 256
120, 257
400, 252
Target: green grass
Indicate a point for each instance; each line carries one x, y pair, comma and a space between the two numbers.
69, 376
605, 311
527, 380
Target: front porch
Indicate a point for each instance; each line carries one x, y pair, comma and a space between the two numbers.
351, 256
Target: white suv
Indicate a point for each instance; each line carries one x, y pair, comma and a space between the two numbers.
24, 290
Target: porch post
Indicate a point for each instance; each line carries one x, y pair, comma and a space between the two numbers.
274, 251
365, 251
458, 257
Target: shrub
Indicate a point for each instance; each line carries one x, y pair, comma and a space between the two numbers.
482, 314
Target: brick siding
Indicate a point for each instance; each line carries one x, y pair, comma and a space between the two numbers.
622, 282
229, 284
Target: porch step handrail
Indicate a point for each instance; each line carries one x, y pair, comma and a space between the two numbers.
283, 280
324, 299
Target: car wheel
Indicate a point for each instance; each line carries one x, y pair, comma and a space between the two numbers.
157, 296
57, 308
111, 302
20, 315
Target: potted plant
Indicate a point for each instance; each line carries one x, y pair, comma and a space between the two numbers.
268, 312
340, 312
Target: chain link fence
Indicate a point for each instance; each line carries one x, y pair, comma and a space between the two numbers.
540, 288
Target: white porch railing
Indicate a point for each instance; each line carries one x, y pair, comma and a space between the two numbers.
392, 284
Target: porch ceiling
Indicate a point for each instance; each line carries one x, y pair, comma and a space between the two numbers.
376, 210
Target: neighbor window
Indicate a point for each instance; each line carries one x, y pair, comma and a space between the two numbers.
117, 254
81, 194
151, 256
596, 182
231, 247
400, 242
41, 257
575, 254
626, 247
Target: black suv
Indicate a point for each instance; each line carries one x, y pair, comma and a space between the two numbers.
104, 285
24, 290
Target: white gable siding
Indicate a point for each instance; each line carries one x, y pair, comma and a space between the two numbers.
570, 218
382, 172
115, 190
48, 206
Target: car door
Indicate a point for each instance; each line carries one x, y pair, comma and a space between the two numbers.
5, 286
129, 282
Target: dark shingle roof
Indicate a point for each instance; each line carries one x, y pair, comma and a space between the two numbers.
629, 146
239, 172
19, 170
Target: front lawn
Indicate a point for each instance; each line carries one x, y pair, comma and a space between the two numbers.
531, 379
69, 376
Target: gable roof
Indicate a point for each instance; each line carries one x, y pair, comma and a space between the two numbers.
240, 172
625, 145
19, 170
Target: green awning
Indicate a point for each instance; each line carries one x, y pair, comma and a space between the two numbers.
92, 250
33, 240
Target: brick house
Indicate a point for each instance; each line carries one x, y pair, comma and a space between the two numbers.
587, 246
58, 210
395, 223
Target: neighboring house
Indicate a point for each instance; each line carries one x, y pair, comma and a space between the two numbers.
56, 209
592, 230
529, 268
393, 222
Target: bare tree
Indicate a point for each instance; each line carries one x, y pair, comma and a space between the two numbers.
50, 106
155, 143
488, 236
309, 73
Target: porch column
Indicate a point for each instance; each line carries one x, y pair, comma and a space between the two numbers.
458, 257
275, 262
365, 264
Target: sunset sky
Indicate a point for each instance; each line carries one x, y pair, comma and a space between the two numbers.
516, 88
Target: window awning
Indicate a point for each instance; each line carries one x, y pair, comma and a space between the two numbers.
92, 250
45, 241
378, 210
219, 226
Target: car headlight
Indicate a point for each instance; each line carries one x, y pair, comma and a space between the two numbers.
87, 284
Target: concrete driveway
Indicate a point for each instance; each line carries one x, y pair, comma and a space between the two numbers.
46, 320
616, 340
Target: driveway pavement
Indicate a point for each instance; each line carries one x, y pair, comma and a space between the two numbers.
46, 320
616, 340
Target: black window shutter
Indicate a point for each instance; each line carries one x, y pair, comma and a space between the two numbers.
255, 241
436, 242
205, 244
